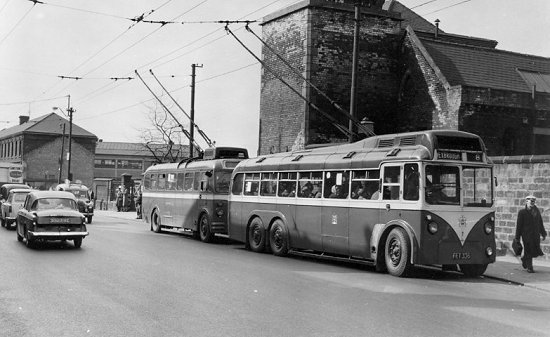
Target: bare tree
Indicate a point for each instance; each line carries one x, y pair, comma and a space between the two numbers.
164, 138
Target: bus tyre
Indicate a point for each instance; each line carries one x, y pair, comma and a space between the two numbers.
278, 239
397, 253
256, 236
155, 222
204, 229
473, 270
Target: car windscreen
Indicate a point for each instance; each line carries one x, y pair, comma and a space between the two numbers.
19, 197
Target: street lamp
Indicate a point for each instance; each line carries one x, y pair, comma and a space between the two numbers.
70, 113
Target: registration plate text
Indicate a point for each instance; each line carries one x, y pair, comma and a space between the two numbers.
462, 256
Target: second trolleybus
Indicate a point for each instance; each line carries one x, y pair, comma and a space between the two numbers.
192, 194
395, 201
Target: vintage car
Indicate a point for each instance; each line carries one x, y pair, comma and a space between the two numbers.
50, 215
6, 188
83, 196
10, 207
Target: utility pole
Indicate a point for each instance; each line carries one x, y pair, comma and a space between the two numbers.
192, 117
69, 154
352, 103
61, 156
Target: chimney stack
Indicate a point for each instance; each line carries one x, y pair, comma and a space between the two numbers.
437, 28
23, 119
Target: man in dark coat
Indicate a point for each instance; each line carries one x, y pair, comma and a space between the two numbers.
530, 228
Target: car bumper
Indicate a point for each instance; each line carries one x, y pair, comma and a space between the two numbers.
57, 235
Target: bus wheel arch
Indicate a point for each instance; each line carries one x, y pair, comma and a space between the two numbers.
256, 235
279, 240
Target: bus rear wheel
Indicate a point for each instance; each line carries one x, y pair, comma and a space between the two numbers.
204, 229
256, 236
278, 239
155, 222
397, 253
473, 270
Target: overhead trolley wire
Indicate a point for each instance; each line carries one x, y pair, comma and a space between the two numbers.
17, 24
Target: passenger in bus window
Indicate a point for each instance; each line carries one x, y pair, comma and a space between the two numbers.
337, 192
305, 190
411, 182
316, 191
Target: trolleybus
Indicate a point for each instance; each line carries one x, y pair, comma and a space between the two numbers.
192, 194
395, 201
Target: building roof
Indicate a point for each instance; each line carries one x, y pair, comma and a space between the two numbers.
477, 66
410, 18
47, 124
130, 149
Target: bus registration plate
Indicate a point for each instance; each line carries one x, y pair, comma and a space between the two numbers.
461, 256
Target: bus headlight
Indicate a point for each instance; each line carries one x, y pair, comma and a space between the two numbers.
489, 251
488, 228
433, 227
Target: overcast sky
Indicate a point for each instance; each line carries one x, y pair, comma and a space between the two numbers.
97, 41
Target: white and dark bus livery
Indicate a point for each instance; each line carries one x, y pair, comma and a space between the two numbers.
192, 194
394, 201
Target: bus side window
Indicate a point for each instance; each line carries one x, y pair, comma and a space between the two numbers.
390, 187
179, 185
196, 181
237, 187
154, 181
411, 184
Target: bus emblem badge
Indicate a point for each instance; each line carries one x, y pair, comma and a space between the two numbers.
334, 219
462, 225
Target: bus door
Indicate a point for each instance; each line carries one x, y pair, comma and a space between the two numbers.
335, 214
203, 185
391, 192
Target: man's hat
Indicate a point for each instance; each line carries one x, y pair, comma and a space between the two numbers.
530, 196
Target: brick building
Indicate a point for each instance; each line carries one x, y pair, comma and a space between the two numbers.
113, 160
37, 144
412, 76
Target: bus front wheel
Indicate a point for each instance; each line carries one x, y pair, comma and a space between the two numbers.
204, 229
256, 235
155, 222
397, 253
278, 239
473, 270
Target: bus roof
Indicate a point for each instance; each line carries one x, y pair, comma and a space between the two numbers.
196, 164
370, 152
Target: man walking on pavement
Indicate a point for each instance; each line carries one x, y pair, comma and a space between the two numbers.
529, 228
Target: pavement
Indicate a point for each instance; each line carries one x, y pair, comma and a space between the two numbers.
507, 268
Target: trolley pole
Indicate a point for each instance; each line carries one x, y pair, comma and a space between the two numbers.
192, 114
352, 103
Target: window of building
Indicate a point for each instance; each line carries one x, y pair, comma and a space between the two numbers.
130, 164
104, 163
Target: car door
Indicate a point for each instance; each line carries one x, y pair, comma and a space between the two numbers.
23, 216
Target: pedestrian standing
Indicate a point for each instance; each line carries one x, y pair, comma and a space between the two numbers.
119, 196
530, 228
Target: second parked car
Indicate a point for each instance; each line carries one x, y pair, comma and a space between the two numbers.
50, 215
10, 207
